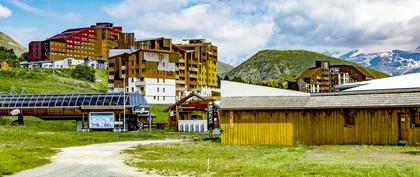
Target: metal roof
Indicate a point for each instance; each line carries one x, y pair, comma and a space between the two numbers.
71, 100
359, 100
237, 89
396, 82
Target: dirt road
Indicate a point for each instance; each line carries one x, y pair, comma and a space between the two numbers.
104, 160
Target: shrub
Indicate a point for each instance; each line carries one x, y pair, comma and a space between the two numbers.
83, 72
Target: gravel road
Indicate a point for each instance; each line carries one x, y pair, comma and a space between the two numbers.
102, 160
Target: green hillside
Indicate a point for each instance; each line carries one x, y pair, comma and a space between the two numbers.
281, 65
223, 68
42, 81
8, 43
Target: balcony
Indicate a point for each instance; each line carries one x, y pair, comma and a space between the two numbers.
180, 88
181, 60
181, 67
180, 81
193, 75
194, 69
139, 83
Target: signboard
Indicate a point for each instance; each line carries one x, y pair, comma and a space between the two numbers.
210, 116
101, 120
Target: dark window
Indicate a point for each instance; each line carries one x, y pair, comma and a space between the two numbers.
349, 119
416, 117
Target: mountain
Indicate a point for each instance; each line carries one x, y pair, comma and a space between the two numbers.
394, 62
9, 43
269, 65
222, 68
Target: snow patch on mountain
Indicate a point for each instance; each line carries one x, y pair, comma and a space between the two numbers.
394, 62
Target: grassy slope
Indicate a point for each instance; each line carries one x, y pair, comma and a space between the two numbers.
277, 64
42, 81
31, 145
274, 160
222, 68
8, 42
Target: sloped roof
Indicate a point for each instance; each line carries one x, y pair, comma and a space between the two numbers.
309, 72
193, 94
396, 82
358, 100
237, 89
66, 33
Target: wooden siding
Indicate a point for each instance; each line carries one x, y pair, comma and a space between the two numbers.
316, 127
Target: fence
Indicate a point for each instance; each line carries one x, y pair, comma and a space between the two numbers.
192, 125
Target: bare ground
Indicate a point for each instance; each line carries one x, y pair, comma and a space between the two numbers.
103, 160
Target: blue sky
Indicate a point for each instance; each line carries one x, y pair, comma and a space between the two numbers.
238, 27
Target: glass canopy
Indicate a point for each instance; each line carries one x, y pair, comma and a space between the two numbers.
72, 100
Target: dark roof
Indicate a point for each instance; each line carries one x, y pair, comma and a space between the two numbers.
66, 33
309, 72
71, 100
394, 98
193, 94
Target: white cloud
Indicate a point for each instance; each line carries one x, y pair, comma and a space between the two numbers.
71, 17
5, 12
240, 28
218, 21
21, 36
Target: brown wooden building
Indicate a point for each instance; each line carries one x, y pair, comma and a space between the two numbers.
324, 77
364, 117
191, 107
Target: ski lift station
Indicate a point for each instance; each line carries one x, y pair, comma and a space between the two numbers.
91, 111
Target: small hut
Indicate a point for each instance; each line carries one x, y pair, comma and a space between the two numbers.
190, 110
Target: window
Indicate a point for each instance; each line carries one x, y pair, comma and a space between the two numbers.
132, 89
349, 119
163, 89
163, 80
154, 97
158, 89
157, 80
163, 98
416, 117
163, 64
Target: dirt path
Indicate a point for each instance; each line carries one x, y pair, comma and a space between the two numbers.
103, 160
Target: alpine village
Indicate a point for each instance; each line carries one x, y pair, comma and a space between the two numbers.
97, 100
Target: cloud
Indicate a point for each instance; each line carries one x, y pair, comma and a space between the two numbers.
218, 21
21, 36
71, 17
240, 28
5, 12
368, 24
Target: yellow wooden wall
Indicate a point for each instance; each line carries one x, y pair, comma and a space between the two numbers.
372, 126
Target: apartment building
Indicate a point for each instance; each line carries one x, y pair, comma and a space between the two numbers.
147, 71
324, 77
126, 41
79, 43
198, 66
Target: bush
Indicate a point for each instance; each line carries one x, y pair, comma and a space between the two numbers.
83, 72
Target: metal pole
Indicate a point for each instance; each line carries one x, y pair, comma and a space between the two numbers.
150, 121
125, 75
208, 165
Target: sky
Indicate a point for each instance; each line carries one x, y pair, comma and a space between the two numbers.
239, 28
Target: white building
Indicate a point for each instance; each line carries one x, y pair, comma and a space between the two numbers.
65, 63
156, 82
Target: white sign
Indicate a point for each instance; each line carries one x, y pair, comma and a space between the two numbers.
101, 120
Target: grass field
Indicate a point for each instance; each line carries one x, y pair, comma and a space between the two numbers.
274, 160
31, 145
161, 117
42, 81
